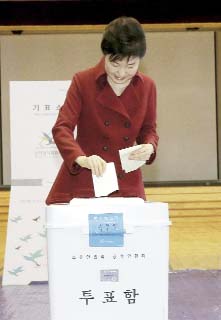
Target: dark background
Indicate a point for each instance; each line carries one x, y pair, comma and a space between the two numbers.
103, 11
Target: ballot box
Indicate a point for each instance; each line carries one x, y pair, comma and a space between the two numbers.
108, 259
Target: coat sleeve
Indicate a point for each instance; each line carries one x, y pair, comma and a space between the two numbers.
148, 132
64, 127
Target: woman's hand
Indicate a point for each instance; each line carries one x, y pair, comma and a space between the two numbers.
143, 153
95, 163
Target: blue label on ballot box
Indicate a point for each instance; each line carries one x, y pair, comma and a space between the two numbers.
106, 230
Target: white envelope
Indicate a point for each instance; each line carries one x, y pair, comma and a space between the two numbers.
130, 165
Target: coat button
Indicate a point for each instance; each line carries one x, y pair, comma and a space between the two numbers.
105, 148
106, 123
127, 124
126, 138
120, 175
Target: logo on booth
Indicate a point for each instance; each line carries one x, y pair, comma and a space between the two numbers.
46, 140
46, 147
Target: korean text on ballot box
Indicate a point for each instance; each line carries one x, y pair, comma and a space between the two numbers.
108, 259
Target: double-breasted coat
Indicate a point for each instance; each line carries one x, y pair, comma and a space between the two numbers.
105, 124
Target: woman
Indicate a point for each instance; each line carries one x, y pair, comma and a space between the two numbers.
114, 107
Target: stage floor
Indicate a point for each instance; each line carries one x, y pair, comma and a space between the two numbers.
193, 295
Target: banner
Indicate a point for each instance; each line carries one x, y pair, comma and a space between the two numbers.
35, 161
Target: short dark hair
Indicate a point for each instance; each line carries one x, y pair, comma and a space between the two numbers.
124, 37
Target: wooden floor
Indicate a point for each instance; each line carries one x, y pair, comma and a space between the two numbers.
4, 204
195, 234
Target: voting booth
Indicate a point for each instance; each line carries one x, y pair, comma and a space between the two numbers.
108, 259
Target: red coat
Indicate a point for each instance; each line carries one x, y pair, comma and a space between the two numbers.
105, 123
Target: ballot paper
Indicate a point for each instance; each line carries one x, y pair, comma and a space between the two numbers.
107, 183
130, 165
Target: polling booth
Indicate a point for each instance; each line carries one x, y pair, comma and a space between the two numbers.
108, 259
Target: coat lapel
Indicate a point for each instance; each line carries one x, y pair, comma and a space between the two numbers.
127, 104
130, 100
108, 99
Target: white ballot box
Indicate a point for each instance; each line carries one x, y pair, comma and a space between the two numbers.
108, 259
